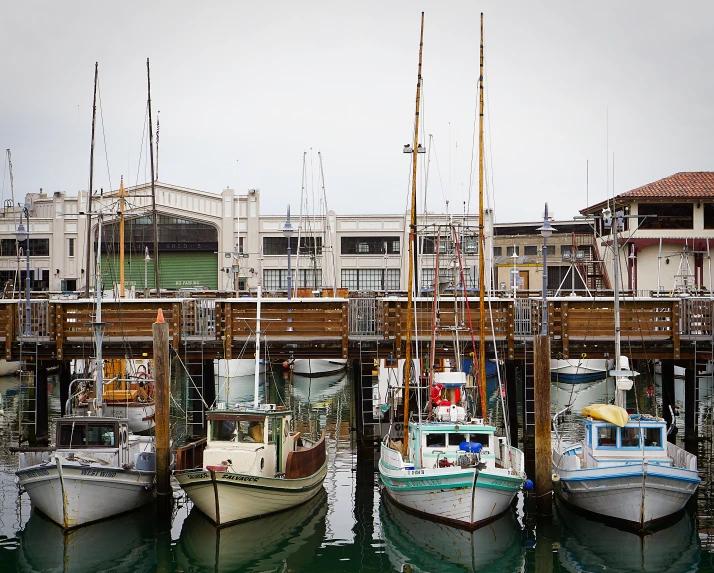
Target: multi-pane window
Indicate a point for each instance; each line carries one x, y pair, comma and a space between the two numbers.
370, 279
530, 250
470, 245
666, 215
38, 247
497, 251
277, 279
370, 245
70, 247
279, 245
512, 249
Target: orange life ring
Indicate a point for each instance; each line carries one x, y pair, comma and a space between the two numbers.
436, 396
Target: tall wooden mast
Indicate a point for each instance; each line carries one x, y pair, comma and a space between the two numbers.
122, 194
88, 266
412, 249
153, 187
482, 245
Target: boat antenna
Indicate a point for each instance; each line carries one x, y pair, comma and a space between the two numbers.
482, 244
153, 187
91, 182
412, 248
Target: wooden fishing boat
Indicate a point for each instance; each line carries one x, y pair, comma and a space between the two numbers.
252, 463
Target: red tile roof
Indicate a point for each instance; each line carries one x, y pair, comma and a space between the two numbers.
685, 185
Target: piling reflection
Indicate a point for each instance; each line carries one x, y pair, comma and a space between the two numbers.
124, 543
416, 544
587, 545
266, 544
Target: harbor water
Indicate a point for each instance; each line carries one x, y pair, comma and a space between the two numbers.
350, 527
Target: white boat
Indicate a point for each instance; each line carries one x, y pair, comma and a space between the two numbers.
265, 545
451, 466
97, 468
578, 370
624, 469
308, 389
420, 545
9, 367
457, 471
318, 366
236, 367
252, 463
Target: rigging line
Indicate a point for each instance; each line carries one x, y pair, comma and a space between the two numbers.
438, 171
489, 168
141, 147
104, 136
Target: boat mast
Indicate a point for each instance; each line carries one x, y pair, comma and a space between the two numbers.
619, 394
153, 187
482, 245
412, 249
256, 382
98, 324
91, 182
122, 194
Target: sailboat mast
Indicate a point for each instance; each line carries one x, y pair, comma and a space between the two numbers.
619, 394
412, 249
153, 187
91, 182
98, 324
256, 380
122, 194
482, 245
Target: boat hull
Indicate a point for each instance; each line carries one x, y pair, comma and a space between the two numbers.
578, 370
227, 497
9, 367
140, 416
318, 367
460, 497
236, 367
637, 495
75, 494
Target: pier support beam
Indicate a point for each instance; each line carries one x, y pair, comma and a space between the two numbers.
543, 451
690, 405
65, 377
41, 404
512, 400
668, 395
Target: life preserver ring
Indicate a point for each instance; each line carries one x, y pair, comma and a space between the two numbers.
436, 396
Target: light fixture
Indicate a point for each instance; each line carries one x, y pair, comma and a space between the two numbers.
288, 231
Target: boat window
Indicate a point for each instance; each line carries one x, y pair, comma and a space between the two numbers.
74, 435
630, 437
653, 438
435, 440
607, 436
456, 439
100, 435
223, 430
250, 432
483, 439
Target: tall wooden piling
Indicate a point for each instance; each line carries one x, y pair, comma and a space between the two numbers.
690, 407
512, 397
668, 396
543, 452
162, 372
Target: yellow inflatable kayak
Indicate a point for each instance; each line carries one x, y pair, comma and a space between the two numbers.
608, 413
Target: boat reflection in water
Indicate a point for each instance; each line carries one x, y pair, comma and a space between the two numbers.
587, 545
264, 544
123, 543
417, 544
309, 388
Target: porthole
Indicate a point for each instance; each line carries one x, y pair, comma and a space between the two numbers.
262, 464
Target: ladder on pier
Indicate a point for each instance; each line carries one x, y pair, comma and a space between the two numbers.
366, 393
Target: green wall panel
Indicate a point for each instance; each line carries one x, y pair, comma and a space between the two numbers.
178, 270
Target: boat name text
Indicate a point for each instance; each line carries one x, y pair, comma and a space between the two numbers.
37, 473
99, 473
240, 478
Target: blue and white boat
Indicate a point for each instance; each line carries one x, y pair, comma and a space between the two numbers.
578, 370
624, 469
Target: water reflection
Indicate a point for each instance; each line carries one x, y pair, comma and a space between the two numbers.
125, 543
587, 545
416, 544
265, 544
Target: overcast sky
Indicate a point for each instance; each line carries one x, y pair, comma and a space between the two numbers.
244, 88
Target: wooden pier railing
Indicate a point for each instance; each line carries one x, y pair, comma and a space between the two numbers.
333, 327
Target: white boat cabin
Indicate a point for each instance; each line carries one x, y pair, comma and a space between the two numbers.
254, 442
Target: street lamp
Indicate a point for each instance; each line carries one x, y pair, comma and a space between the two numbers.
288, 231
147, 259
21, 235
546, 231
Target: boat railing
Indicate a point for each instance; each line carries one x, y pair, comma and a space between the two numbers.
509, 457
681, 458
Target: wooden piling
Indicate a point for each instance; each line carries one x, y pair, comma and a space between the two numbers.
543, 452
162, 372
